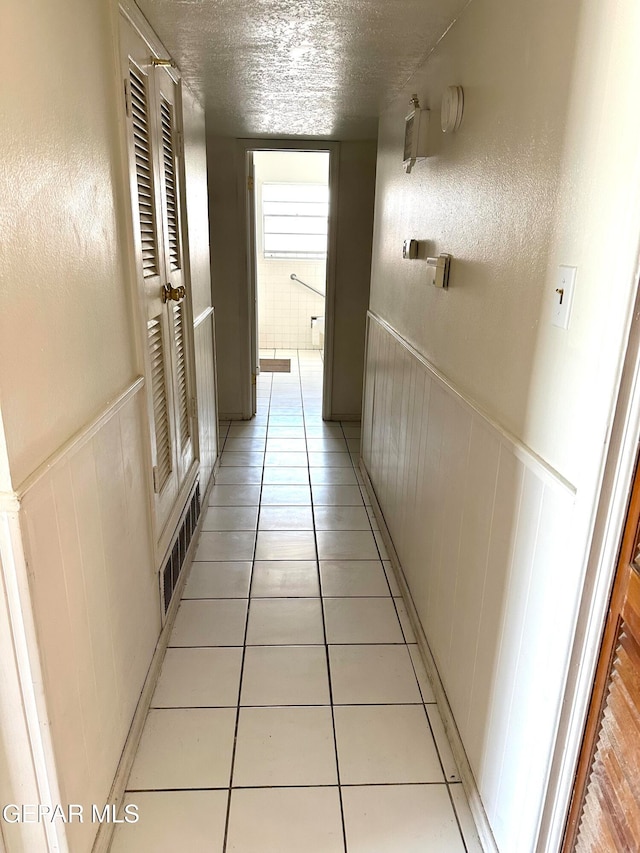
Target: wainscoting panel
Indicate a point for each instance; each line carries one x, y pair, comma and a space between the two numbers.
86, 525
479, 524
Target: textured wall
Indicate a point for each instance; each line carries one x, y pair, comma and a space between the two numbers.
542, 172
66, 343
545, 170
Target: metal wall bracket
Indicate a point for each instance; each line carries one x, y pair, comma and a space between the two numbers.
439, 270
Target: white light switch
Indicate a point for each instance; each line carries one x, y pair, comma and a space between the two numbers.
563, 296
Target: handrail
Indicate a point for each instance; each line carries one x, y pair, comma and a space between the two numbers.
294, 277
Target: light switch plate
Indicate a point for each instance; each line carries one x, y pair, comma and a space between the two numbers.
563, 296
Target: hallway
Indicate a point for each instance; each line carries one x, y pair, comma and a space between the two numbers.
310, 725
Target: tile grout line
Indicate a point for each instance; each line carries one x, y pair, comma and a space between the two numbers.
326, 651
244, 649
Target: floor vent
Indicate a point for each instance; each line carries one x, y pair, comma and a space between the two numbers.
172, 568
275, 365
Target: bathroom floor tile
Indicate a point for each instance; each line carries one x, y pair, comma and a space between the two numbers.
244, 444
407, 818
226, 546
285, 579
285, 675
286, 518
235, 495
206, 622
341, 518
218, 580
286, 545
173, 820
286, 476
345, 578
318, 428
285, 622
199, 678
286, 432
223, 518
328, 444
373, 675
247, 428
385, 744
347, 545
275, 458
238, 476
284, 746
351, 430
361, 620
333, 476
319, 459
285, 820
332, 495
184, 748
283, 495
286, 445
279, 688
243, 458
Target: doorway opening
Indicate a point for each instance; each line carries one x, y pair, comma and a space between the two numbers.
290, 224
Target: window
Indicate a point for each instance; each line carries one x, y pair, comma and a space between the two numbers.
294, 220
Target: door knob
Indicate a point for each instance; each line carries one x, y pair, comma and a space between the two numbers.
173, 293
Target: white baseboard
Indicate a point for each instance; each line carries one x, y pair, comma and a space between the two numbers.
479, 815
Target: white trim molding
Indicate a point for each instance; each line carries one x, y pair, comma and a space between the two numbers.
83, 436
526, 455
41, 775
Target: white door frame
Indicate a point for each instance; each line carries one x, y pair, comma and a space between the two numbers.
248, 319
610, 515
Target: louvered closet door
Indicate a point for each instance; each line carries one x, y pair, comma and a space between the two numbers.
152, 108
605, 813
167, 106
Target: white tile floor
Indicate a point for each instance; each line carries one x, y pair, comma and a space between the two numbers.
293, 712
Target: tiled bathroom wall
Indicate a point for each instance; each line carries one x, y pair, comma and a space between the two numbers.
285, 307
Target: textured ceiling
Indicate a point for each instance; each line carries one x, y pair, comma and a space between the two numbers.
320, 68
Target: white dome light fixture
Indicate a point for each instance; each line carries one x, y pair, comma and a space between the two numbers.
451, 109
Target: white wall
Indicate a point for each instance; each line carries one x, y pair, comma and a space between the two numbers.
74, 416
228, 273
545, 170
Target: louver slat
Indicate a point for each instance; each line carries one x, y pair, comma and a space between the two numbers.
144, 174
166, 114
181, 377
611, 817
160, 407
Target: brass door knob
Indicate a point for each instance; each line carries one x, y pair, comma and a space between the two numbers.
175, 294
